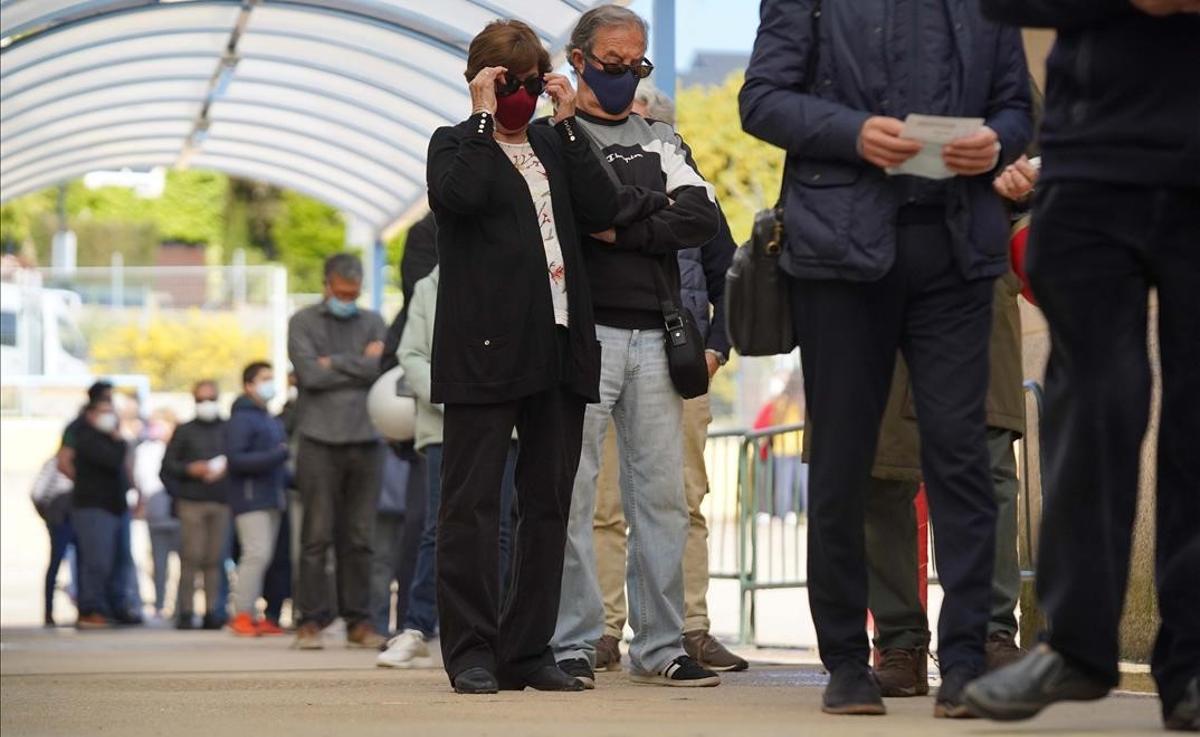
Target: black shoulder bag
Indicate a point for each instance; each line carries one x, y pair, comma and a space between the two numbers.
684, 345
758, 312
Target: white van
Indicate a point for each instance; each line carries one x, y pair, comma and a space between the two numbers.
39, 332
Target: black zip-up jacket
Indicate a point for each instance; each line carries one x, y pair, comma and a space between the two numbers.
494, 334
1122, 91
194, 441
100, 475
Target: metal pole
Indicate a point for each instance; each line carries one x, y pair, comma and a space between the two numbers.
279, 325
378, 262
117, 298
663, 34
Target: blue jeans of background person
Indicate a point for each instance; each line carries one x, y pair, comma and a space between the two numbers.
422, 612
130, 601
637, 394
98, 534
164, 540
277, 584
62, 539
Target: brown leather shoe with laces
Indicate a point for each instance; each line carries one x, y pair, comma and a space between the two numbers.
308, 637
710, 653
608, 654
363, 635
1001, 649
903, 672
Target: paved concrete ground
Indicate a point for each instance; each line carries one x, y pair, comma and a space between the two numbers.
148, 682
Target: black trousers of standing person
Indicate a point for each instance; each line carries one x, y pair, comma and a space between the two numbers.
848, 334
512, 639
339, 487
1096, 251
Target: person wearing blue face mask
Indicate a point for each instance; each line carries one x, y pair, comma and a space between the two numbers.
335, 348
256, 446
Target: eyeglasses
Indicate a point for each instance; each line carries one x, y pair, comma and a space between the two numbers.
641, 70
534, 85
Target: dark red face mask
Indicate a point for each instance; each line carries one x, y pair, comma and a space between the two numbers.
514, 111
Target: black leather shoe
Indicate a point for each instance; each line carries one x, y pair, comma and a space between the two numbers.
1185, 715
853, 689
545, 678
1023, 689
949, 702
475, 681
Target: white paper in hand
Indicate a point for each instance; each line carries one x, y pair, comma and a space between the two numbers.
934, 131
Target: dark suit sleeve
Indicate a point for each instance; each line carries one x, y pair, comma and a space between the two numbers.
716, 256
240, 452
772, 104
461, 164
1009, 110
1066, 14
593, 193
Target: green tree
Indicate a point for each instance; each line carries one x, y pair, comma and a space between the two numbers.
745, 171
306, 233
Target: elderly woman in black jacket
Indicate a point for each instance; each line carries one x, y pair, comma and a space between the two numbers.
514, 346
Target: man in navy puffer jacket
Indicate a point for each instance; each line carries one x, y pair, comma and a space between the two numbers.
880, 263
256, 446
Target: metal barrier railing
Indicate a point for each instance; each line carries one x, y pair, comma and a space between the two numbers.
757, 504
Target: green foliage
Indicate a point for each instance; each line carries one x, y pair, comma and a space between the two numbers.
745, 171
306, 233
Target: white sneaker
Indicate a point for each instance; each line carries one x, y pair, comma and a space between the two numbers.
406, 650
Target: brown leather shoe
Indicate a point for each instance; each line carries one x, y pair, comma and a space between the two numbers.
363, 635
608, 654
1001, 649
710, 653
308, 637
903, 672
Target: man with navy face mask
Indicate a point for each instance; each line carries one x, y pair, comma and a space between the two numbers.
335, 347
664, 206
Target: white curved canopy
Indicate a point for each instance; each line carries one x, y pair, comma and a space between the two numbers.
336, 99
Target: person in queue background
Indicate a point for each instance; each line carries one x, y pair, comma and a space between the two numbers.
664, 206
1116, 217
410, 648
194, 472
880, 262
256, 446
702, 287
157, 504
101, 481
335, 347
514, 347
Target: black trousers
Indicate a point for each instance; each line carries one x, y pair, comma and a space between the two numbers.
1096, 251
509, 639
339, 487
849, 333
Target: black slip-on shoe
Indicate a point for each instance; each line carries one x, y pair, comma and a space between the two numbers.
853, 690
580, 670
1023, 689
475, 681
545, 678
1184, 716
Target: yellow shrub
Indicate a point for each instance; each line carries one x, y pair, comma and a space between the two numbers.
176, 353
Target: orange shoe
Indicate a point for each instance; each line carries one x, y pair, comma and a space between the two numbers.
266, 627
243, 625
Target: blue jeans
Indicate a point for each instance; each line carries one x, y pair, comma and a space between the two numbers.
422, 611
62, 540
637, 394
98, 534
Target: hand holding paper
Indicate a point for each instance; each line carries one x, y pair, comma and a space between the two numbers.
949, 146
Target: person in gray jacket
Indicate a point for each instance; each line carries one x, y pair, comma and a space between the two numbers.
335, 347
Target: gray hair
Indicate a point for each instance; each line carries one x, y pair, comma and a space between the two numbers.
658, 105
344, 265
603, 16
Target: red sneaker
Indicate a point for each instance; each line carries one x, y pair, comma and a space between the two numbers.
267, 627
243, 625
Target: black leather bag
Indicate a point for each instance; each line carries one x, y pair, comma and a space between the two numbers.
686, 361
758, 310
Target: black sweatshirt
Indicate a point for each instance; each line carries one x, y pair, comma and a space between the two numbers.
1122, 94
100, 477
664, 206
